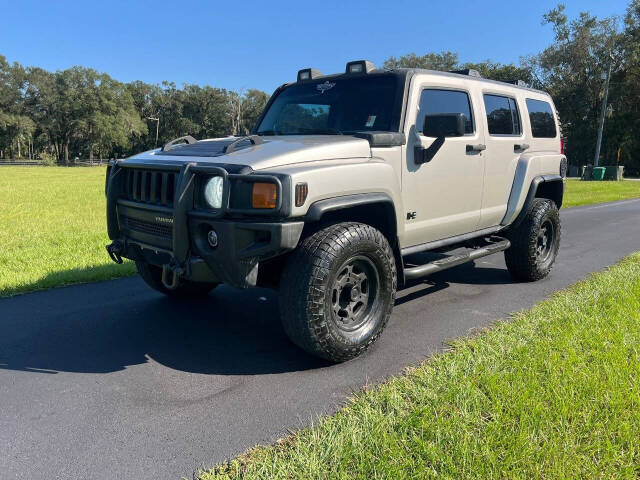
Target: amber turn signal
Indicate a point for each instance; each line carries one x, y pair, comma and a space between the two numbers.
302, 189
264, 195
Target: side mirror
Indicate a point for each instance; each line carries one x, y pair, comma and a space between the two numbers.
440, 126
444, 125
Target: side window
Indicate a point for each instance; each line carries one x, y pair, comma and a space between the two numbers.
434, 101
503, 117
541, 116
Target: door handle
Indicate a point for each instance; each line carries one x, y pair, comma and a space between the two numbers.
476, 148
520, 147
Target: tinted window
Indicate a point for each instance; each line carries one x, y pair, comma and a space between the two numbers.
502, 115
433, 102
541, 116
335, 105
303, 117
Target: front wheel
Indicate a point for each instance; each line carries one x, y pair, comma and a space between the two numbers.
337, 291
152, 275
534, 242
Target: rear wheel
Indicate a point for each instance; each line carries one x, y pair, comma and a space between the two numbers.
152, 275
535, 242
337, 291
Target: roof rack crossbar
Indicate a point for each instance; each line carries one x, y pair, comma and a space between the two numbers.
519, 83
472, 72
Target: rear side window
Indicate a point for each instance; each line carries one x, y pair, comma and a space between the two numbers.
434, 102
503, 117
541, 116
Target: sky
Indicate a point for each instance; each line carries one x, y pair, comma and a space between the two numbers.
251, 44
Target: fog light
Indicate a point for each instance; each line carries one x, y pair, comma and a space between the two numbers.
212, 238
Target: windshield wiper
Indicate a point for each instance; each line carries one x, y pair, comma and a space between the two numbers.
269, 132
320, 131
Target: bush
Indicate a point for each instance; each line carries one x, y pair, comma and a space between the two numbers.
48, 159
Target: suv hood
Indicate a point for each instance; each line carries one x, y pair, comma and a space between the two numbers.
275, 151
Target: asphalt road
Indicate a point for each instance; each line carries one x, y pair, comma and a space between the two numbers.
111, 380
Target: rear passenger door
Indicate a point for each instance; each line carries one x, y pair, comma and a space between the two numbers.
506, 141
443, 196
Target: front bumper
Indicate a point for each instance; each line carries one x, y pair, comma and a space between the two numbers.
175, 238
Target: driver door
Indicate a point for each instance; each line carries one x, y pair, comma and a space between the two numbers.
443, 196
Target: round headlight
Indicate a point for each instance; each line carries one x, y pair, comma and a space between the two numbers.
213, 192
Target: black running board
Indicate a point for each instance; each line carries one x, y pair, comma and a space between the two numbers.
494, 245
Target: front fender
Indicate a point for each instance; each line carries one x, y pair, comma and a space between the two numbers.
333, 182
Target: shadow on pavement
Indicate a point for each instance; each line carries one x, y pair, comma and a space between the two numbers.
108, 326
230, 332
466, 274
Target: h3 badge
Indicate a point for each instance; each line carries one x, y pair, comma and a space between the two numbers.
411, 215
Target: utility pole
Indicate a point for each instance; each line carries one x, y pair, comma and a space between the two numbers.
157, 120
596, 160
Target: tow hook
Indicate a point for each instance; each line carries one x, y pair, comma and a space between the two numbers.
114, 250
173, 272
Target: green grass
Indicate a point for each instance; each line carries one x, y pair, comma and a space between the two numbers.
552, 394
584, 193
52, 228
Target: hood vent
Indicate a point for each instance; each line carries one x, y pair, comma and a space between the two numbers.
209, 148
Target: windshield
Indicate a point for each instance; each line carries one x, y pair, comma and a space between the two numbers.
335, 106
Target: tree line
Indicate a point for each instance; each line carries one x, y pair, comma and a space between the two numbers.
79, 112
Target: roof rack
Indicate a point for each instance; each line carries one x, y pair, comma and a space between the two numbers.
472, 72
519, 83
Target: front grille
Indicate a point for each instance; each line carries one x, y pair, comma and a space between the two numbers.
151, 228
148, 186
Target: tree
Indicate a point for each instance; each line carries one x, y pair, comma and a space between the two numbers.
254, 103
448, 61
628, 89
572, 70
110, 119
432, 61
15, 127
206, 108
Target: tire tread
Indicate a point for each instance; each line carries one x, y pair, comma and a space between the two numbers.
303, 287
521, 256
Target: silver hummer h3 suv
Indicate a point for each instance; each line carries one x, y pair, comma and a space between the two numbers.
344, 183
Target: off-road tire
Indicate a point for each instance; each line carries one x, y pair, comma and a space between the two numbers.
526, 259
152, 275
317, 275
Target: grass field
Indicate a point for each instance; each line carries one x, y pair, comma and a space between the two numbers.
583, 193
554, 393
53, 230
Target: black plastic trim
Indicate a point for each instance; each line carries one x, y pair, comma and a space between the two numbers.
383, 139
445, 242
491, 246
531, 195
319, 208
187, 138
254, 139
241, 246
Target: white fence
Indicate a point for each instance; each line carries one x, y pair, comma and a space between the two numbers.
72, 163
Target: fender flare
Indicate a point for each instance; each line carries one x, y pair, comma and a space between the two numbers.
321, 207
536, 184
